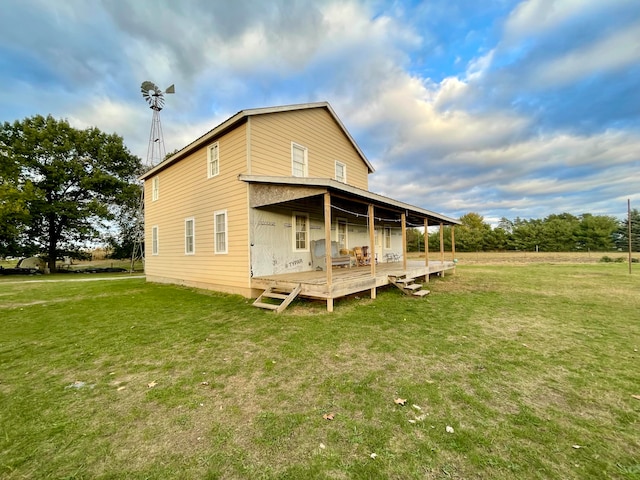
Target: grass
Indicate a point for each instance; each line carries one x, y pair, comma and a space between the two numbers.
523, 361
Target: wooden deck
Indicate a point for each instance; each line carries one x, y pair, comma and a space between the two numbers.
347, 281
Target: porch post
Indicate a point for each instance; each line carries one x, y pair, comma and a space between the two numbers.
453, 243
426, 247
327, 248
442, 247
372, 242
403, 220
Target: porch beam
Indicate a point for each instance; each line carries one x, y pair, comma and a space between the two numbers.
372, 243
327, 247
403, 221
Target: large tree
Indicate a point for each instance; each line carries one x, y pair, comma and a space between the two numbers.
70, 183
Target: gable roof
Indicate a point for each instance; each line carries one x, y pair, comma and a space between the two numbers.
242, 117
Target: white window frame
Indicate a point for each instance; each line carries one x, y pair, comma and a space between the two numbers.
155, 188
294, 225
193, 236
213, 161
155, 240
386, 238
305, 159
216, 248
344, 172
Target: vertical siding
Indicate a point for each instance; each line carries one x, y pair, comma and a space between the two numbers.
272, 134
185, 191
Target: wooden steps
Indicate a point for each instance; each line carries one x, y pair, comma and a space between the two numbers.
406, 285
277, 299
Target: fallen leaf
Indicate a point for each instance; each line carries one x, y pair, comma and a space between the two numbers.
373, 455
416, 407
576, 446
449, 429
204, 383
121, 388
400, 401
329, 416
322, 446
152, 384
637, 397
412, 421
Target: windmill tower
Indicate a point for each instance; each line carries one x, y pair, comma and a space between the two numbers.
155, 98
155, 154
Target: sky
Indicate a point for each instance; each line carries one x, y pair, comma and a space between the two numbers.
503, 108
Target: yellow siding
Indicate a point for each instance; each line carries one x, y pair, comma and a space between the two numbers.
315, 129
185, 191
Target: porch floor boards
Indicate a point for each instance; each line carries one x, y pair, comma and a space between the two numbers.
347, 281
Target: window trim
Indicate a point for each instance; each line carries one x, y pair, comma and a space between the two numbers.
155, 240
155, 188
344, 171
305, 166
342, 220
211, 161
294, 229
193, 236
215, 232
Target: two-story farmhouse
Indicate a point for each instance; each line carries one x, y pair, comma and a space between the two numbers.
276, 200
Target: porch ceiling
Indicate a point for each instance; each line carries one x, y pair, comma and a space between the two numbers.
269, 190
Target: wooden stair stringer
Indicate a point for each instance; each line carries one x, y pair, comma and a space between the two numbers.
285, 296
407, 286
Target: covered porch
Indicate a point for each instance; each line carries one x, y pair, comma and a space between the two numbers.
379, 223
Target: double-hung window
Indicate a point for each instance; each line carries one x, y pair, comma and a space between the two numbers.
189, 236
213, 160
300, 232
341, 172
299, 161
155, 189
220, 231
154, 240
387, 238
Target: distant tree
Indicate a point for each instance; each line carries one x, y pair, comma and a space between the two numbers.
415, 238
560, 233
71, 181
596, 232
622, 234
473, 234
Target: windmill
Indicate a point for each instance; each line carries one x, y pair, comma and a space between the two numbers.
155, 98
155, 154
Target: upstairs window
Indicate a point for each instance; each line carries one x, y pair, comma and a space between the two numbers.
155, 189
341, 172
301, 232
220, 231
213, 160
299, 165
189, 236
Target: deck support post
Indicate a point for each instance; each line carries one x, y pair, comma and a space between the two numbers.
327, 247
453, 247
372, 242
403, 220
442, 248
426, 247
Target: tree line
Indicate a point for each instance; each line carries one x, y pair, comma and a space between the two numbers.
555, 233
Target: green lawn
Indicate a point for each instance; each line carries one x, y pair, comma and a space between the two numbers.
525, 363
